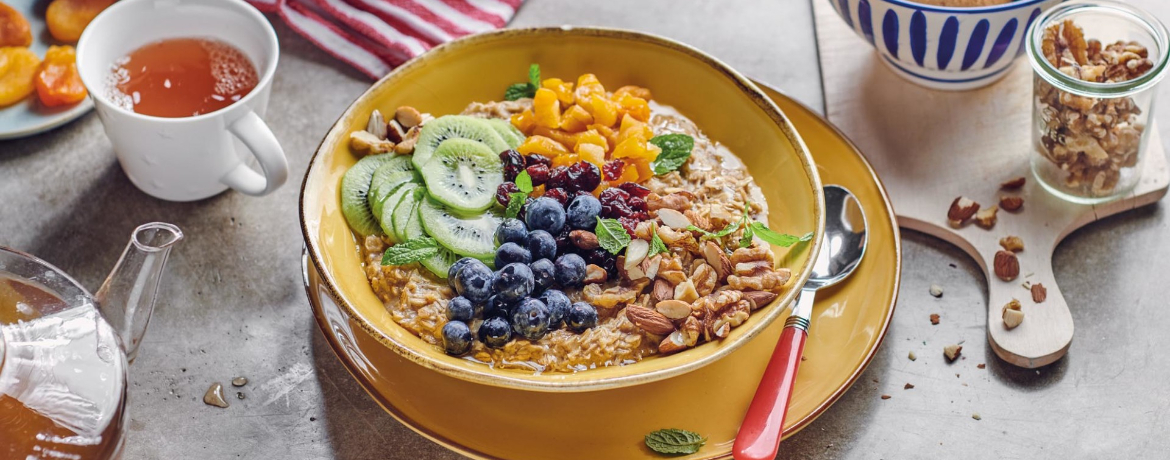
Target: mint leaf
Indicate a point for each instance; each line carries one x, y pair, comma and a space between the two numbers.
673, 441
534, 76
409, 251
524, 182
611, 235
519, 91
676, 148
515, 204
746, 239
705, 233
778, 239
656, 244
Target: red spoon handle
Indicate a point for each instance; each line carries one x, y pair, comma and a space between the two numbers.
759, 435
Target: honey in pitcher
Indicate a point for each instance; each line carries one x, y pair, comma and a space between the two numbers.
30, 317
181, 77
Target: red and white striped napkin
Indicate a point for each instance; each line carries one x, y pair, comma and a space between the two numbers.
374, 36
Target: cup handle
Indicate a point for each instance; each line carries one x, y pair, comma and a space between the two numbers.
263, 145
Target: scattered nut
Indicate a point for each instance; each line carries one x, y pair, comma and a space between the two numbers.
1039, 293
1011, 203
649, 320
885, 396
673, 219
395, 132
1012, 243
961, 210
982, 366
408, 116
934, 318
986, 217
908, 386
365, 142
673, 309
376, 125
952, 352
976, 416
1012, 315
1014, 183
936, 290
408, 141
584, 239
1007, 267
758, 299
913, 357
595, 274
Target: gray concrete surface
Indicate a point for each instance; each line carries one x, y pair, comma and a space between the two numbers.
233, 304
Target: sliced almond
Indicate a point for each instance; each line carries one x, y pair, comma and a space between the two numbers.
673, 343
1013, 183
673, 309
376, 125
717, 259
651, 265
673, 219
636, 252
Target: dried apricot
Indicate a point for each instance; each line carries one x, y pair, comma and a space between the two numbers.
543, 146
547, 108
524, 121
18, 67
576, 119
592, 137
563, 89
58, 82
592, 153
67, 18
636, 91
14, 29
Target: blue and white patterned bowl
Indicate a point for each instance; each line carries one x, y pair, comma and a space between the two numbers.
944, 47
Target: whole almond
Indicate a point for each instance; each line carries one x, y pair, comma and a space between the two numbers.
673, 309
1011, 203
962, 209
649, 320
662, 291
1007, 267
759, 299
584, 239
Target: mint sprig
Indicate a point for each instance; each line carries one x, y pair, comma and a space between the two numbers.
676, 148
611, 235
524, 182
515, 204
656, 244
751, 229
410, 251
526, 89
674, 441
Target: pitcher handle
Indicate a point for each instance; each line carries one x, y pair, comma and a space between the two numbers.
262, 143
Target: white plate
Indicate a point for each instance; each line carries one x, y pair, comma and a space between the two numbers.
30, 117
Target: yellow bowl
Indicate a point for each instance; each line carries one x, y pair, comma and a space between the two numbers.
724, 104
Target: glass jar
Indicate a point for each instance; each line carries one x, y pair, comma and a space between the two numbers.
1091, 113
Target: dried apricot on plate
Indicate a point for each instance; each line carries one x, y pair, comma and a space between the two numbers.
58, 82
18, 66
67, 18
14, 29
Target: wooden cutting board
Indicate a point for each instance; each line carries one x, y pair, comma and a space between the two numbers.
931, 146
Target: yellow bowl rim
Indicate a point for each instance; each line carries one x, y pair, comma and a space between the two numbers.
535, 382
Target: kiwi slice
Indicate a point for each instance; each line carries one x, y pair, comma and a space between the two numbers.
355, 189
466, 234
403, 193
383, 187
464, 175
405, 218
504, 128
440, 263
436, 131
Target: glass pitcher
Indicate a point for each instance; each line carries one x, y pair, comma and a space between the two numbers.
64, 352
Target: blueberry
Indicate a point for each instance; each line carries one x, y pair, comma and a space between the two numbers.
511, 231
545, 214
542, 245
558, 306
474, 281
460, 309
495, 332
512, 253
581, 316
570, 270
582, 213
455, 268
513, 282
497, 307
456, 337
542, 274
531, 319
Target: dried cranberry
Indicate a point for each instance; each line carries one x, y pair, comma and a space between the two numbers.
558, 194
513, 163
504, 193
536, 159
582, 193
538, 173
613, 170
635, 189
584, 176
564, 243
629, 223
558, 177
637, 205
615, 203
603, 259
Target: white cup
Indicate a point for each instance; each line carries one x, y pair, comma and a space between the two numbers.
185, 159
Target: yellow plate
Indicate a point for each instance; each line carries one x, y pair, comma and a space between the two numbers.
727, 106
480, 421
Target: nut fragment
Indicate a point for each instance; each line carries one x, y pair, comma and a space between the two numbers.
584, 239
1013, 184
934, 318
662, 291
717, 259
912, 356
1039, 293
952, 352
756, 268
673, 309
908, 386
1011, 203
673, 343
961, 210
986, 217
376, 125
936, 290
595, 274
673, 219
408, 116
1012, 243
649, 320
686, 292
691, 330
704, 278
395, 132
1012, 315
365, 142
1007, 267
676, 201
636, 252
758, 299
408, 142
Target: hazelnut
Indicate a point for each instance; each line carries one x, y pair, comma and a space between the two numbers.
584, 239
1007, 267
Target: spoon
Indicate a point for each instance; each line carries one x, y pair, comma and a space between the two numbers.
844, 245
